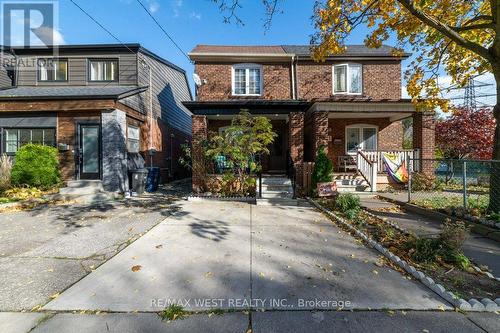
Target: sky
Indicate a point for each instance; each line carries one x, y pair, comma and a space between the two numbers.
192, 22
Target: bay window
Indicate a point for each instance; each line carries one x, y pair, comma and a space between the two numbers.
52, 70
247, 80
103, 70
347, 79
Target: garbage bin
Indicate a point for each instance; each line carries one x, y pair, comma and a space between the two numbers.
153, 179
138, 180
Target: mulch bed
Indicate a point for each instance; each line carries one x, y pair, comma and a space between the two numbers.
464, 283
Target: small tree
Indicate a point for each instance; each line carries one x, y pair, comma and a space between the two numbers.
36, 165
466, 134
240, 143
323, 168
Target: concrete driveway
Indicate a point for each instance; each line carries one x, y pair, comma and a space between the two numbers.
48, 249
235, 256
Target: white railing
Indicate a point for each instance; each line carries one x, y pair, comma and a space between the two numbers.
368, 169
405, 155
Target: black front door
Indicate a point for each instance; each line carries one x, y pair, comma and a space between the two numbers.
89, 151
278, 149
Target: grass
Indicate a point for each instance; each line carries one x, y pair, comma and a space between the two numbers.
477, 205
4, 200
174, 312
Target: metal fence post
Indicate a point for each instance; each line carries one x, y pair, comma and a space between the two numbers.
410, 171
464, 180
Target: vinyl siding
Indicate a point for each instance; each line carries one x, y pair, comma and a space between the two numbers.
78, 69
5, 80
170, 89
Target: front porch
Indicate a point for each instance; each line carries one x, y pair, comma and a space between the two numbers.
357, 134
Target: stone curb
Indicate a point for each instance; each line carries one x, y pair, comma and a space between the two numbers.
406, 232
485, 305
200, 198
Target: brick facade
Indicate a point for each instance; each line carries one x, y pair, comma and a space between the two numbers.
381, 79
424, 125
296, 145
200, 133
319, 129
276, 83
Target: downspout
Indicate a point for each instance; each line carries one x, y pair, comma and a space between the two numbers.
294, 87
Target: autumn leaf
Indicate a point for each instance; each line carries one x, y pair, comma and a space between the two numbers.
136, 268
159, 246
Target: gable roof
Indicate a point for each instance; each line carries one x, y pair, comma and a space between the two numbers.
302, 51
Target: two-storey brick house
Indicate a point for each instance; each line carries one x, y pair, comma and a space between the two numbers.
350, 103
99, 105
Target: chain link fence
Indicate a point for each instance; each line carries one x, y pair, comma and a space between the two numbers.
454, 185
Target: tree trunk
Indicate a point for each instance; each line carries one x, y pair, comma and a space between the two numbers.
495, 168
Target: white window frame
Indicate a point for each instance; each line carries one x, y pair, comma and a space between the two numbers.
247, 68
360, 128
348, 66
130, 139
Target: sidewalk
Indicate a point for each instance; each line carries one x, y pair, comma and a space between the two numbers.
240, 322
481, 250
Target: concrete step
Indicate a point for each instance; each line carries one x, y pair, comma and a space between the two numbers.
276, 195
277, 202
85, 198
275, 181
83, 187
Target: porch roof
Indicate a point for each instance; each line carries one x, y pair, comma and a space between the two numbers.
232, 107
25, 93
365, 108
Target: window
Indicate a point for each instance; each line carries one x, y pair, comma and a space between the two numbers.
52, 70
17, 137
103, 70
133, 139
347, 79
247, 80
360, 137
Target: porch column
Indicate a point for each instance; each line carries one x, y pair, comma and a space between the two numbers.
320, 131
114, 151
200, 133
296, 142
424, 139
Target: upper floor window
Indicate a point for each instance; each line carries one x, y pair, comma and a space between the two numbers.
347, 79
247, 80
103, 70
52, 70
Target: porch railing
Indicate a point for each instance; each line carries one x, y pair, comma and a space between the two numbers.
367, 169
406, 155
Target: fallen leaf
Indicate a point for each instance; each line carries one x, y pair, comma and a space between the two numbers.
136, 268
50, 270
208, 274
375, 272
54, 296
159, 246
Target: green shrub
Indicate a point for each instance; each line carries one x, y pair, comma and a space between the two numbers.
5, 172
37, 166
453, 234
352, 214
323, 169
347, 201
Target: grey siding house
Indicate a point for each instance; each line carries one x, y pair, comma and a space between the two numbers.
99, 105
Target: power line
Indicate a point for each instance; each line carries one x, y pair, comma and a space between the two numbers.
110, 33
164, 31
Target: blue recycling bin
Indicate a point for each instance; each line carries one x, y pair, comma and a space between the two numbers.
153, 179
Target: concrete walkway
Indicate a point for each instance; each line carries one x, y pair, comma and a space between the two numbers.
482, 250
